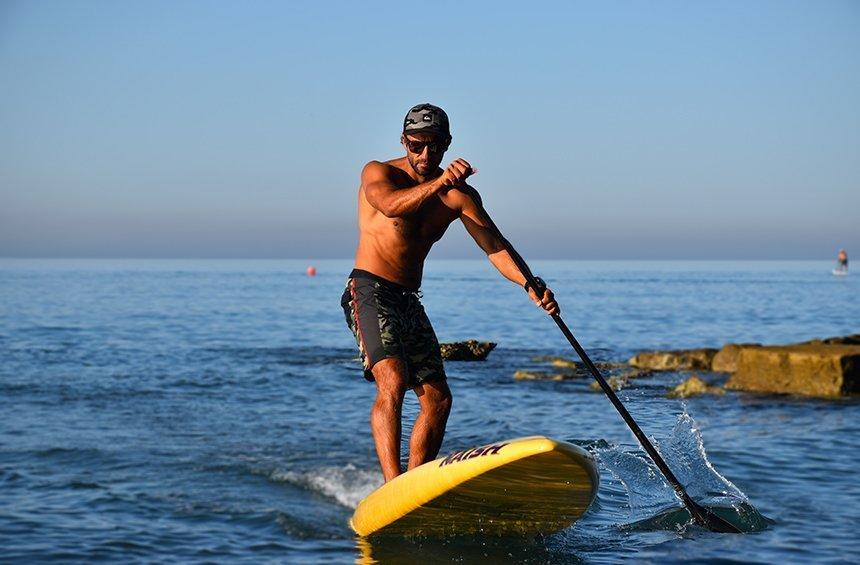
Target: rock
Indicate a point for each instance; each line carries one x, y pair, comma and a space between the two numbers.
471, 350
615, 383
843, 340
570, 363
609, 365
555, 361
810, 369
543, 376
693, 386
685, 359
634, 374
573, 370
838, 340
726, 359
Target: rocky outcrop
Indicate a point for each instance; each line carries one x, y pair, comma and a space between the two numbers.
619, 381
825, 368
635, 374
681, 360
471, 350
570, 363
545, 376
616, 383
726, 359
555, 361
566, 369
853, 339
811, 369
694, 386
564, 363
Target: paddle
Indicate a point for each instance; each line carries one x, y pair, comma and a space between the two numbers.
703, 516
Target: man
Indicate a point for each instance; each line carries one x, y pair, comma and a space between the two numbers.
842, 259
404, 207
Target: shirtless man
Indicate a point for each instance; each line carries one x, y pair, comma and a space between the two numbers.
404, 207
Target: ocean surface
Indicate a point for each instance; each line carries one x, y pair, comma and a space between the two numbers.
214, 411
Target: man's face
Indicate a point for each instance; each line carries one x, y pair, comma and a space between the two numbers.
424, 151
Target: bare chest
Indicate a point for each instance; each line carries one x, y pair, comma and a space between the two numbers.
427, 225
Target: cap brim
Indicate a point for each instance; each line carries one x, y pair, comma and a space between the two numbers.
431, 130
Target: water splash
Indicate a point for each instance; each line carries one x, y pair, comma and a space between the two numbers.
348, 485
652, 501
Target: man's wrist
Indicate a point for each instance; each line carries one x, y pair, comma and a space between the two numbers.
437, 184
540, 282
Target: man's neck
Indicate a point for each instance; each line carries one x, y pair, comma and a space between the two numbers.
425, 178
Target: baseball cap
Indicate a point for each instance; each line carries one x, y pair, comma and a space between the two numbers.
426, 118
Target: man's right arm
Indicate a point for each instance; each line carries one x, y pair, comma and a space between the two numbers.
388, 198
394, 202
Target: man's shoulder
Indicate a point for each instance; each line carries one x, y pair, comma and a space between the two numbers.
381, 169
392, 171
391, 165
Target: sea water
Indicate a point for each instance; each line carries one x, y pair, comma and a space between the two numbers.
214, 411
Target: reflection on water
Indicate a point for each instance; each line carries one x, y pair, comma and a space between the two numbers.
462, 550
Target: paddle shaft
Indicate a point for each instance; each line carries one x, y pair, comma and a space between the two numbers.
697, 511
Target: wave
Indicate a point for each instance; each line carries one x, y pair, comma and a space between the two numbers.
348, 485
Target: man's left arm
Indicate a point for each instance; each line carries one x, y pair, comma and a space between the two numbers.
476, 225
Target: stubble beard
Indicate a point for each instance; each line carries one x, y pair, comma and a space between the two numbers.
428, 168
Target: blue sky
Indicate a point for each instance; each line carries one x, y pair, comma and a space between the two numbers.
600, 129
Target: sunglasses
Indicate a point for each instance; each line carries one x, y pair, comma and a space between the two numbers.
435, 145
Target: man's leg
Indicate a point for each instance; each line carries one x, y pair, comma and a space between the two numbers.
435, 400
390, 375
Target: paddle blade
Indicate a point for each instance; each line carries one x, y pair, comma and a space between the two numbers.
707, 518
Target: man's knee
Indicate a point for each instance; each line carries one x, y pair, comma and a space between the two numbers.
435, 396
443, 404
391, 376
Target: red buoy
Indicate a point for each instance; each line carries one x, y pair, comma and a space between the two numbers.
312, 271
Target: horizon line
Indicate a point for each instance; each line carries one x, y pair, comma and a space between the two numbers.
203, 258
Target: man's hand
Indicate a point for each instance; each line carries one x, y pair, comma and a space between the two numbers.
548, 302
456, 174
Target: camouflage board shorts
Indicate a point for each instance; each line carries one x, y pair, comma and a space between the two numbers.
388, 320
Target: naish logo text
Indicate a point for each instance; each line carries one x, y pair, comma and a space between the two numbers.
472, 453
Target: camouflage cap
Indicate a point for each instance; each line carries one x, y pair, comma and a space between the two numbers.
426, 118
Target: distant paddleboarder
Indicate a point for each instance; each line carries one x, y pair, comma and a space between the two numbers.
404, 207
841, 269
842, 260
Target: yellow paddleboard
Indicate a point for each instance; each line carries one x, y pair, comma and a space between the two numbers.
518, 486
